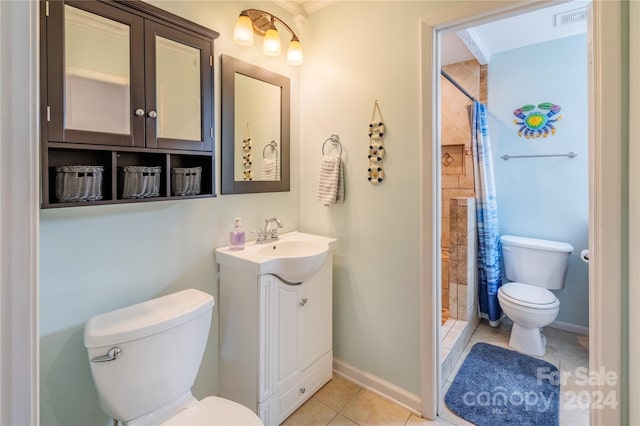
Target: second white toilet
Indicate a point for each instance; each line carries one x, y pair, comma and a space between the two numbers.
534, 266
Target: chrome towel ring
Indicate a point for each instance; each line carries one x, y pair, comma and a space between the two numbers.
335, 140
274, 147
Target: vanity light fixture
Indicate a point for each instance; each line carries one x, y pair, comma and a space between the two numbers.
259, 22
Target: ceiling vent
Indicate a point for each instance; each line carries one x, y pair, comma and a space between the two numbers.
571, 17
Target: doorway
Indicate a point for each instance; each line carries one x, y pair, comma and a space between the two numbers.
599, 68
542, 192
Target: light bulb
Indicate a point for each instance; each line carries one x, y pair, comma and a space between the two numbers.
271, 43
243, 31
294, 53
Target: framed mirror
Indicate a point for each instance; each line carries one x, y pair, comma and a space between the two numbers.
255, 129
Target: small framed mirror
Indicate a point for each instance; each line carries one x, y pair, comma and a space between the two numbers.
255, 129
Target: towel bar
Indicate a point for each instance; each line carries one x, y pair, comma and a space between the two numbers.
570, 155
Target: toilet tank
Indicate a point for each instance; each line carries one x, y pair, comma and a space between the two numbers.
162, 342
537, 262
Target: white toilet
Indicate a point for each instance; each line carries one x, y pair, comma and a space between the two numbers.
534, 266
144, 359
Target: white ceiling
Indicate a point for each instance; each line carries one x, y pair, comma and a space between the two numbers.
304, 7
511, 33
484, 40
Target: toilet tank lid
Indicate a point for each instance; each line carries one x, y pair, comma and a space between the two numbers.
146, 318
535, 243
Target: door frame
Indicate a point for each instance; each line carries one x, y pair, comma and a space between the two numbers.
634, 209
606, 173
19, 212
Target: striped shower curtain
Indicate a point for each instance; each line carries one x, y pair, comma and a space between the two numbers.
489, 251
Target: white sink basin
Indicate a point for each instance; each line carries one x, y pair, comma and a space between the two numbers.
293, 258
292, 248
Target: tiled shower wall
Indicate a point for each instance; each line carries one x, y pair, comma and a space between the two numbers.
456, 160
463, 283
463, 292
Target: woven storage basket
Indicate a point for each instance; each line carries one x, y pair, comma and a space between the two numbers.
79, 183
186, 180
141, 181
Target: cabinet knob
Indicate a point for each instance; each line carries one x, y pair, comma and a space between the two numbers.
152, 114
139, 112
303, 302
303, 390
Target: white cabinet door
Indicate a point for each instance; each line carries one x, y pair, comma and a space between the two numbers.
316, 329
305, 337
268, 336
288, 326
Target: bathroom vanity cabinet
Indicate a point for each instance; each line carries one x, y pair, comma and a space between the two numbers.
276, 345
124, 83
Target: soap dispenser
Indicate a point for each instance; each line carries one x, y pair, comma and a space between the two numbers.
236, 236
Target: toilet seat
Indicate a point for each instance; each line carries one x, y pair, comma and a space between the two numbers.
529, 296
215, 411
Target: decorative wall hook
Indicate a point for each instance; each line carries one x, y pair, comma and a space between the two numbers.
247, 159
377, 129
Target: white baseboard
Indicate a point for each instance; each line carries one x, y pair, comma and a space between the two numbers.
580, 329
379, 386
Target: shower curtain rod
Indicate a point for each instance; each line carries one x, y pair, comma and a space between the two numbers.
455, 83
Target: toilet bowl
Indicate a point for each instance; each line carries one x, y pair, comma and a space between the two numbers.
144, 360
530, 308
534, 266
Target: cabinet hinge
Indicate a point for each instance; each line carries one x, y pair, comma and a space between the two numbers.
210, 60
46, 8
48, 113
211, 132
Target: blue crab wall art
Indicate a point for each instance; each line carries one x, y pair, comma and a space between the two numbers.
534, 124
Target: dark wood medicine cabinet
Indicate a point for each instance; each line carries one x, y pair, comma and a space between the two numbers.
124, 83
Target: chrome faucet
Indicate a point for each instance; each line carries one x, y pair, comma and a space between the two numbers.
271, 228
270, 232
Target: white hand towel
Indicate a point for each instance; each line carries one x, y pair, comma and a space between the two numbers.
331, 181
269, 169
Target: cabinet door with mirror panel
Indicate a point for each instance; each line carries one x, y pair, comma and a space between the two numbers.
119, 79
178, 89
255, 128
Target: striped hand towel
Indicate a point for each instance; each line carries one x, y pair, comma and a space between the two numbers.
269, 169
331, 181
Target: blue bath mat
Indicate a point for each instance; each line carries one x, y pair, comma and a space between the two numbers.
496, 386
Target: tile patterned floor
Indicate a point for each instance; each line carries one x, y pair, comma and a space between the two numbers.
341, 402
